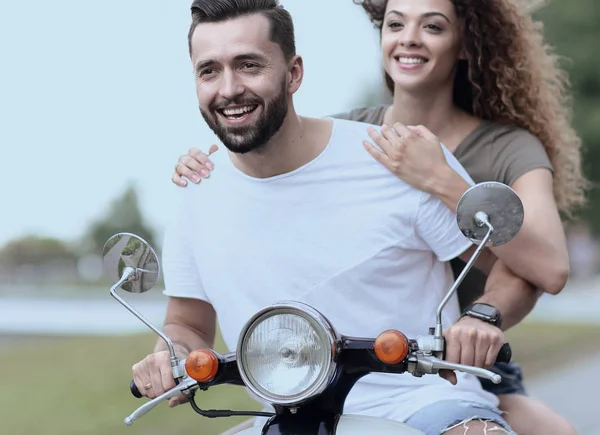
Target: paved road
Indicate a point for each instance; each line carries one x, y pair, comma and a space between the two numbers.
579, 302
573, 392
76, 317
95, 312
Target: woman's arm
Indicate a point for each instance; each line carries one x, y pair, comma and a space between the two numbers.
541, 246
539, 252
512, 296
194, 166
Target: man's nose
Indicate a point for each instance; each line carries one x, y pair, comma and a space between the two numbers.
231, 86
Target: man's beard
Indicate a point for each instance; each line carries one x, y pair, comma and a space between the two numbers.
248, 138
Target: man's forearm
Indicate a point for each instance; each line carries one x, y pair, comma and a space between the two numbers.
514, 297
184, 340
484, 263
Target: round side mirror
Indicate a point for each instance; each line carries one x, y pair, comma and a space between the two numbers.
501, 205
128, 250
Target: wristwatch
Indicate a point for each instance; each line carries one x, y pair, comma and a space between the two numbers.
487, 313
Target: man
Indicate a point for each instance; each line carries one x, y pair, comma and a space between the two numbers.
304, 213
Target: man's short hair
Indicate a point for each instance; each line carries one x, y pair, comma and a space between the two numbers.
214, 11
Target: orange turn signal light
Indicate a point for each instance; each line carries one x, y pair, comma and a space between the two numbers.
202, 365
391, 347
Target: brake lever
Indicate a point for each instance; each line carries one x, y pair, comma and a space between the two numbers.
184, 385
428, 364
179, 369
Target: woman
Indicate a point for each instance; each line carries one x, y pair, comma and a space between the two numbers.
477, 75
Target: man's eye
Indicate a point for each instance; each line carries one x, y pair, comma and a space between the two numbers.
249, 65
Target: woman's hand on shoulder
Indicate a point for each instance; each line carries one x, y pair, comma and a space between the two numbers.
412, 153
194, 166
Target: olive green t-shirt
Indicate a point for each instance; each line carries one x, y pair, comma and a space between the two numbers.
491, 152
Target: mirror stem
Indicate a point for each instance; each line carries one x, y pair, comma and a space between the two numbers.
481, 219
129, 273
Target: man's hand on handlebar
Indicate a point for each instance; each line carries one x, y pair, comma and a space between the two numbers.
153, 376
471, 342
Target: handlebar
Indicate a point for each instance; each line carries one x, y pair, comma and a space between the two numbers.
420, 361
504, 354
186, 384
428, 361
134, 390
178, 368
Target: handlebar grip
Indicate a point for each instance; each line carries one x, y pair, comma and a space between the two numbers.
505, 354
134, 390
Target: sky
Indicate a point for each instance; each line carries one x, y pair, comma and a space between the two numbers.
97, 95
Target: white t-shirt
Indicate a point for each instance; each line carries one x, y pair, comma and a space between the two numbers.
342, 234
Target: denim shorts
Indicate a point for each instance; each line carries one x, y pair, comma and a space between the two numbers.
512, 380
447, 414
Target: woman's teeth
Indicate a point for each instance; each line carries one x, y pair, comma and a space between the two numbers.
411, 60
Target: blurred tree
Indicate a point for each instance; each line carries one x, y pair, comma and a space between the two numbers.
123, 215
35, 251
572, 27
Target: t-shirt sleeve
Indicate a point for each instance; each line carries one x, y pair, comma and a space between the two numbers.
182, 278
342, 115
369, 115
516, 153
455, 164
436, 226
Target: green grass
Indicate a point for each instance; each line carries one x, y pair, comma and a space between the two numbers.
79, 386
540, 347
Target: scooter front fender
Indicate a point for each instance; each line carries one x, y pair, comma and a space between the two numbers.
360, 425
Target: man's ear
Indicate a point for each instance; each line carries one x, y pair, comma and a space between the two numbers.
296, 73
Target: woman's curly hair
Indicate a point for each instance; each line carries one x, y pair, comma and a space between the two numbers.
511, 76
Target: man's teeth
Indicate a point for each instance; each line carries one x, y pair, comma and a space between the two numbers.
411, 60
238, 110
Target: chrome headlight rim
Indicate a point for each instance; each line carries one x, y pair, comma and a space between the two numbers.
316, 319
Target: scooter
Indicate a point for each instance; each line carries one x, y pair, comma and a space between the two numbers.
308, 396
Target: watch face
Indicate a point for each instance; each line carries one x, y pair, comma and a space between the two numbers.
486, 310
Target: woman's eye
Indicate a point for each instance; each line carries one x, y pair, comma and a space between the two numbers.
434, 27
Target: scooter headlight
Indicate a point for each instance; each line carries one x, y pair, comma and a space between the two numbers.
287, 353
